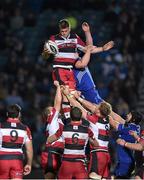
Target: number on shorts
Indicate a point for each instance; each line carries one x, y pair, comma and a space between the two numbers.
14, 135
75, 138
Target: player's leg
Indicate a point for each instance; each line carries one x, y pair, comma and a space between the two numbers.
99, 164
86, 85
66, 170
16, 171
64, 77
4, 169
92, 95
80, 170
50, 163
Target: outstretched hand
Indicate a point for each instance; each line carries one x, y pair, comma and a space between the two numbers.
56, 83
85, 27
108, 45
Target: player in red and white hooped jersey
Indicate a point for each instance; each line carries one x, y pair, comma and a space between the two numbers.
68, 44
64, 61
99, 123
51, 156
13, 135
76, 135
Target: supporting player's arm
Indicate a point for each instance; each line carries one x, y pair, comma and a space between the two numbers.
55, 136
73, 101
113, 123
134, 146
58, 96
90, 106
117, 117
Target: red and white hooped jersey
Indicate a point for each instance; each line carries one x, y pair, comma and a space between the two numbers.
100, 127
13, 135
67, 55
54, 123
76, 135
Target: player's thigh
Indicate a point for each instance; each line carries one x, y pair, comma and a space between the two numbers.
81, 170
98, 162
4, 169
16, 171
66, 170
50, 162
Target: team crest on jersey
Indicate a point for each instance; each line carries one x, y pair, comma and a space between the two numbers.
75, 127
13, 124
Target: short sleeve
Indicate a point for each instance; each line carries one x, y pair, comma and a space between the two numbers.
80, 43
92, 118
28, 136
90, 133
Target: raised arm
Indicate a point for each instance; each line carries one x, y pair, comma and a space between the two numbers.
87, 104
113, 123
73, 101
58, 97
86, 29
106, 47
83, 62
117, 117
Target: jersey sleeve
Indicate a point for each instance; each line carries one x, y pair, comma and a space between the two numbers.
51, 116
59, 131
90, 133
80, 43
92, 118
53, 124
28, 136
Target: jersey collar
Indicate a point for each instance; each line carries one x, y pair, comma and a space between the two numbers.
66, 37
15, 120
76, 123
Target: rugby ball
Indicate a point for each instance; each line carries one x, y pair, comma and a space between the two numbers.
51, 47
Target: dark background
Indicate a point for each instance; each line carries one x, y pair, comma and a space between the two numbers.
25, 78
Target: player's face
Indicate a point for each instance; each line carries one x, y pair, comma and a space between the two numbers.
128, 117
65, 32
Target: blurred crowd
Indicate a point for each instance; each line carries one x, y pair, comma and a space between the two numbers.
27, 81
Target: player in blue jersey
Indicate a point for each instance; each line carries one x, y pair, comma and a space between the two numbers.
84, 80
139, 146
126, 161
85, 84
